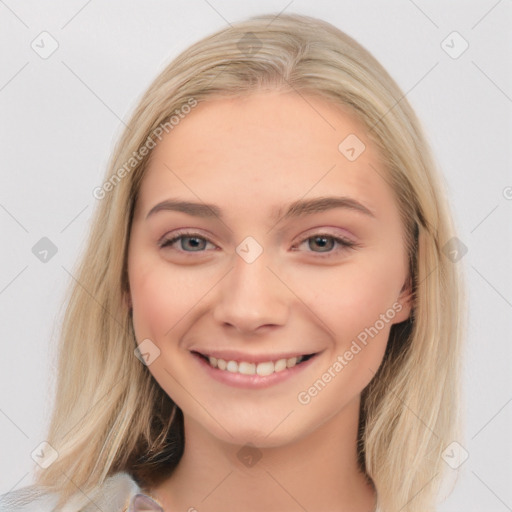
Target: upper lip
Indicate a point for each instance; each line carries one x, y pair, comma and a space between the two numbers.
233, 355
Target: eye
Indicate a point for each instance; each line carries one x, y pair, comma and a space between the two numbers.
195, 241
326, 242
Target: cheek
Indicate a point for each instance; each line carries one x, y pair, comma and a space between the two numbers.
357, 302
351, 297
160, 297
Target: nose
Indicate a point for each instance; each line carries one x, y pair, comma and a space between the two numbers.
251, 297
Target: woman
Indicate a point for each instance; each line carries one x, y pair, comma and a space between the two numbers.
303, 352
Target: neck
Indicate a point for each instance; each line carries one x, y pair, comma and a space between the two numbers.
318, 472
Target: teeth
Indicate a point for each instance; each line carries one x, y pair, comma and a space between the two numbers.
265, 368
262, 369
291, 362
246, 368
280, 365
232, 366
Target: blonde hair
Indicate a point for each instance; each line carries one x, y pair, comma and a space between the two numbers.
110, 414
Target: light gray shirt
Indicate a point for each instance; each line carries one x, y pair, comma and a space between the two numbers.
119, 493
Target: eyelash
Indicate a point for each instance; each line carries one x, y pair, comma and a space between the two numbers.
343, 243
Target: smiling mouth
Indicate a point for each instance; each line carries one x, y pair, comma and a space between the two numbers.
262, 369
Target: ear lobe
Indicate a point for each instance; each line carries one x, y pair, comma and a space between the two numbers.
406, 301
128, 300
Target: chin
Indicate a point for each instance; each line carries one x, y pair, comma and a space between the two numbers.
260, 436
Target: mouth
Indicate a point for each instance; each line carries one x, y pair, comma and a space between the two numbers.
262, 369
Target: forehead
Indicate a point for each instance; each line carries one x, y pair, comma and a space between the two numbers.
265, 147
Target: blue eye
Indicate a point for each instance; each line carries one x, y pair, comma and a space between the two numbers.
320, 239
324, 241
194, 237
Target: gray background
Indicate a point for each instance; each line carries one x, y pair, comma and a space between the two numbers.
60, 116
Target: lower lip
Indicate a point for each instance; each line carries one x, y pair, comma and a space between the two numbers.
252, 381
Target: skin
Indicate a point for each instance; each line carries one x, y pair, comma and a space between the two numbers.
249, 156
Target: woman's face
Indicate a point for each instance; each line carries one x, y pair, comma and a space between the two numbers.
248, 282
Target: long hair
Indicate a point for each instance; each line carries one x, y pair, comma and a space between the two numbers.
110, 414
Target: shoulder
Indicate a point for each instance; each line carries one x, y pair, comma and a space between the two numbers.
113, 495
27, 499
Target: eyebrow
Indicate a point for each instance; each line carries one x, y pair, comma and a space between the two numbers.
299, 208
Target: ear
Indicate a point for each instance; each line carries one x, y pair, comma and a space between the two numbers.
127, 299
405, 301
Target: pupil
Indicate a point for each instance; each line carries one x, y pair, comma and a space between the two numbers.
322, 245
195, 242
